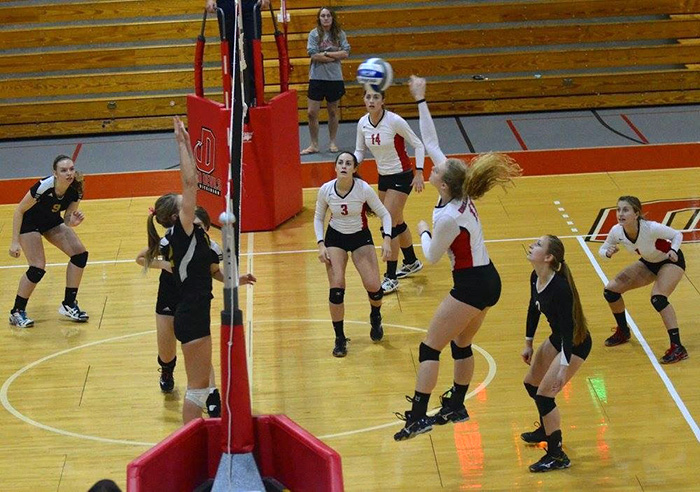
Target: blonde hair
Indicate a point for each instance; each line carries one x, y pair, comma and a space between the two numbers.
481, 174
166, 207
556, 248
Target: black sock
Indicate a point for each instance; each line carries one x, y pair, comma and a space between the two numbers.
70, 296
20, 304
674, 334
409, 256
459, 391
391, 269
420, 405
167, 365
376, 310
554, 443
338, 327
622, 322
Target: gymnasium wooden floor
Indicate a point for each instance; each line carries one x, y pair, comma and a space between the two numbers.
81, 401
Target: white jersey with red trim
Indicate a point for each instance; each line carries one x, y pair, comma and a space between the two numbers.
652, 242
387, 142
457, 231
348, 214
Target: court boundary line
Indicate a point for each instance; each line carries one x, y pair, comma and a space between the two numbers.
647, 349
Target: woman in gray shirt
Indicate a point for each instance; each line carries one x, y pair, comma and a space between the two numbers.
327, 45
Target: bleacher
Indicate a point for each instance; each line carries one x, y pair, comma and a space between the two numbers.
126, 65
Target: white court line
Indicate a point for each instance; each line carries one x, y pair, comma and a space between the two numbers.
642, 341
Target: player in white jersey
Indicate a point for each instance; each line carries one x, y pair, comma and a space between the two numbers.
661, 262
385, 134
477, 285
348, 198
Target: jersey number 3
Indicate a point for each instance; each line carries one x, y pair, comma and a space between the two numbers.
343, 209
375, 139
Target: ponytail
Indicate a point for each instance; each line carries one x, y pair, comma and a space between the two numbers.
167, 207
153, 243
486, 171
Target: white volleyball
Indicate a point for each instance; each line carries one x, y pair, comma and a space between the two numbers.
375, 73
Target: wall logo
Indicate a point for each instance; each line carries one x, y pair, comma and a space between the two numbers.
205, 157
681, 214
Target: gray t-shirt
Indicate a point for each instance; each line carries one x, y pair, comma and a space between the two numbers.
326, 71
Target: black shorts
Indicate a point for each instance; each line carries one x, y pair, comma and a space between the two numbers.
477, 286
348, 242
655, 267
39, 223
581, 350
330, 90
168, 297
399, 182
193, 318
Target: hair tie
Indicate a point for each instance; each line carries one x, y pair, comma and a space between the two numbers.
151, 211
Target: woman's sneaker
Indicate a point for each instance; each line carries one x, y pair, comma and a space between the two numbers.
413, 428
676, 353
19, 318
341, 347
447, 414
376, 333
389, 285
73, 312
549, 463
534, 437
409, 269
617, 338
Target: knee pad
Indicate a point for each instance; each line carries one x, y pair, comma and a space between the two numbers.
395, 231
544, 404
35, 274
659, 302
79, 260
611, 296
336, 296
376, 296
459, 353
531, 390
427, 353
198, 396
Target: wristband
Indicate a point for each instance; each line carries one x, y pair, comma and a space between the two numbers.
320, 241
529, 339
426, 232
384, 234
420, 101
419, 169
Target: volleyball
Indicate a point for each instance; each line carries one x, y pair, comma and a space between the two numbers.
375, 73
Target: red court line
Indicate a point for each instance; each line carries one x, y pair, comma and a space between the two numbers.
76, 152
635, 129
517, 134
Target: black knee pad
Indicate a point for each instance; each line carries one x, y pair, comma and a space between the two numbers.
544, 404
427, 353
611, 296
459, 353
531, 390
659, 302
35, 274
395, 231
376, 296
336, 295
79, 260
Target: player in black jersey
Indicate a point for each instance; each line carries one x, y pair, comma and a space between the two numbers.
39, 214
552, 292
190, 259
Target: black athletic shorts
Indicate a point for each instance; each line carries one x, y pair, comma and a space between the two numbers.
477, 286
39, 223
399, 182
168, 295
193, 318
348, 242
655, 267
330, 90
581, 350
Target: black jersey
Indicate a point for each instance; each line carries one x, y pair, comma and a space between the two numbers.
556, 301
191, 257
47, 200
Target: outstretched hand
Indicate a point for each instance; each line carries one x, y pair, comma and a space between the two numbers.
181, 135
75, 218
417, 87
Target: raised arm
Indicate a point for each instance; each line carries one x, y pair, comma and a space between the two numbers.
188, 175
425, 120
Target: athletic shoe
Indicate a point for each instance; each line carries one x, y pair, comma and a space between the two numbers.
408, 269
73, 312
214, 403
389, 285
19, 318
617, 338
534, 437
676, 353
167, 381
341, 347
447, 414
376, 333
413, 427
549, 463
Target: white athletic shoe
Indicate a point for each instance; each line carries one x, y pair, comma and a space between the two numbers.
409, 269
73, 312
19, 318
389, 285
